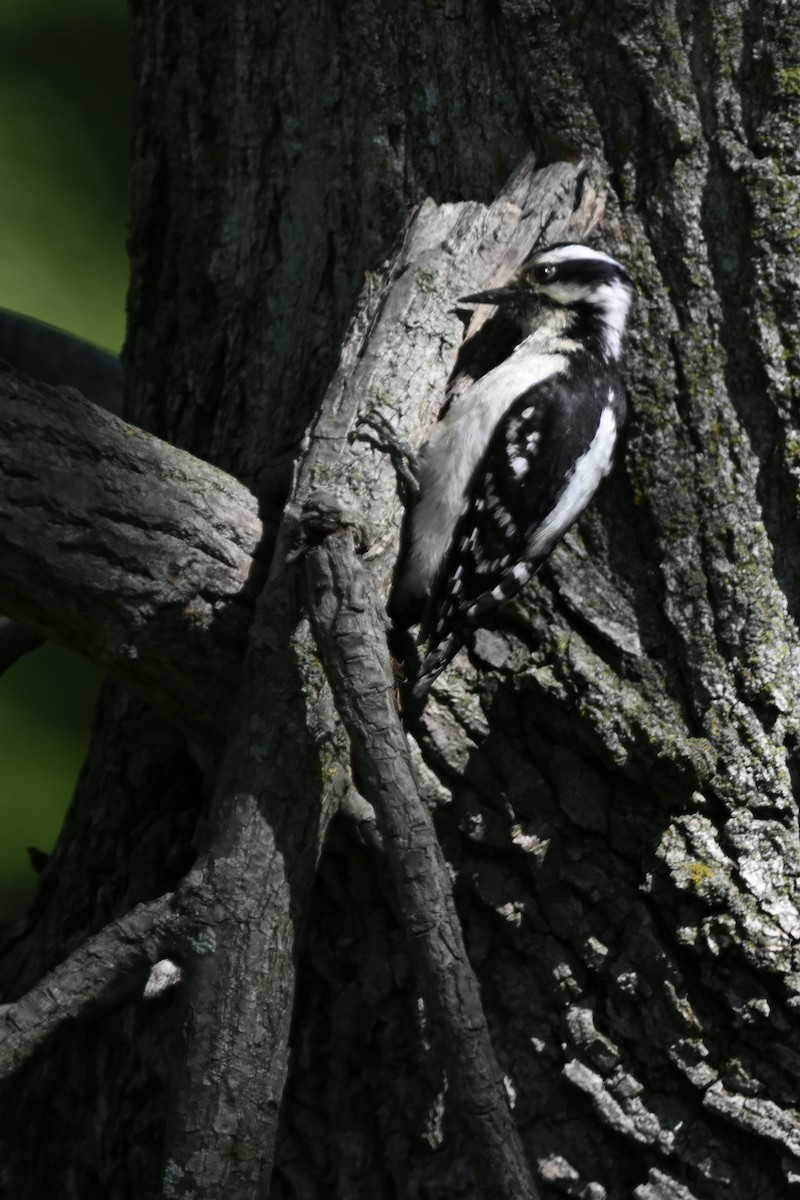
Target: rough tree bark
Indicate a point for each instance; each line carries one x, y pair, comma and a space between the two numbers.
611, 772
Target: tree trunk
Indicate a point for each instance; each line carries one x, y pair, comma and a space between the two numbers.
611, 772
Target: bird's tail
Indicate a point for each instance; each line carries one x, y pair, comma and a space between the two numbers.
434, 662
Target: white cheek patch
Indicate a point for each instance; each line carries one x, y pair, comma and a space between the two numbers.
566, 293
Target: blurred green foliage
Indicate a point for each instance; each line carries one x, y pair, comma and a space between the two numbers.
64, 98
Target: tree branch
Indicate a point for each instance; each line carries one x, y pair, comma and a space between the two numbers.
349, 623
53, 356
233, 923
251, 888
138, 555
106, 971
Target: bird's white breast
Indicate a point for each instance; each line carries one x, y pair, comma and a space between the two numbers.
455, 448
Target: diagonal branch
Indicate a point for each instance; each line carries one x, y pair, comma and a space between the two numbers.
348, 620
103, 973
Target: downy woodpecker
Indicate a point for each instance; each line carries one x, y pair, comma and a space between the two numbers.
519, 455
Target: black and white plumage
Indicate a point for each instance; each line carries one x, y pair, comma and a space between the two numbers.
520, 454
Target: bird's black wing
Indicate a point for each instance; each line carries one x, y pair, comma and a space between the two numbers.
502, 538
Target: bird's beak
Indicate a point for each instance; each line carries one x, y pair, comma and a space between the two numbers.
502, 295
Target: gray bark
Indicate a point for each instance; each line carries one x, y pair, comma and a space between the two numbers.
155, 556
612, 771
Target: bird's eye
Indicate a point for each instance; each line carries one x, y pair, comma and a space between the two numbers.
544, 273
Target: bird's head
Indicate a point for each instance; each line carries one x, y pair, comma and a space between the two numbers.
587, 283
